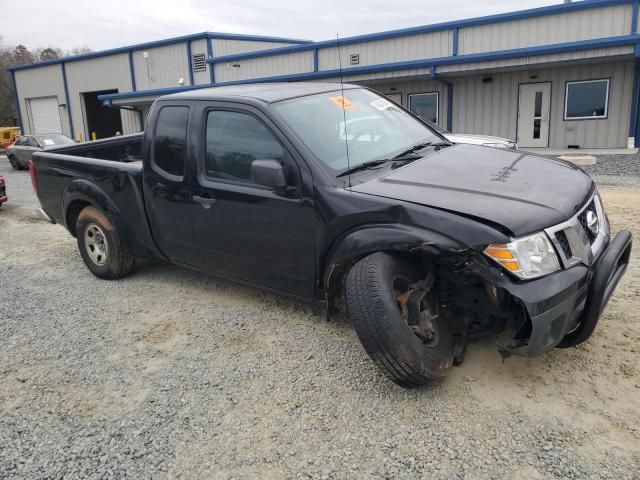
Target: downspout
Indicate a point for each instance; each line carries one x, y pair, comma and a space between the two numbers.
66, 95
449, 85
133, 89
15, 92
212, 77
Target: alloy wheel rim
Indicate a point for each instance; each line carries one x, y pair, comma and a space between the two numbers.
95, 243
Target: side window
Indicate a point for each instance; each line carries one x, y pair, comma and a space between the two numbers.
33, 142
20, 141
233, 141
170, 140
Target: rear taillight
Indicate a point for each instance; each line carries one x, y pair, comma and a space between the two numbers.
32, 172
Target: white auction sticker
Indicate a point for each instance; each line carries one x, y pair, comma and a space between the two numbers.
381, 104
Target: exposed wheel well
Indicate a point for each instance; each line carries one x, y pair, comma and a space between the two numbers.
336, 276
73, 210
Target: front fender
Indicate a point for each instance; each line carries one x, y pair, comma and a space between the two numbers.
367, 239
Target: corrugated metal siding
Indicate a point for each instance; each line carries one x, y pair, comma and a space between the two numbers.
96, 74
41, 82
223, 47
425, 45
537, 60
164, 67
546, 30
492, 108
289, 63
200, 46
378, 75
130, 122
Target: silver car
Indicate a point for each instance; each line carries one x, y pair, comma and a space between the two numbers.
20, 152
484, 140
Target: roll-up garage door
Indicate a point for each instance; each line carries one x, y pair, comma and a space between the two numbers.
45, 115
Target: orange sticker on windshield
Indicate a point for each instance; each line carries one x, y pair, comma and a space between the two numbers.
342, 102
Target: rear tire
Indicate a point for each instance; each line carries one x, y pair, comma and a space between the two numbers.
102, 250
397, 351
15, 163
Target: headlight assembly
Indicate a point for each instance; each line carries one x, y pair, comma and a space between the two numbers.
526, 257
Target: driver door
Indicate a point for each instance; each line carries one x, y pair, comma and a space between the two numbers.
242, 229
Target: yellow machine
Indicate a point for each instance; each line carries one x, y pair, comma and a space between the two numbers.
8, 135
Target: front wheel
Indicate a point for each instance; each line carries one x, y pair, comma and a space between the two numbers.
15, 163
397, 320
102, 249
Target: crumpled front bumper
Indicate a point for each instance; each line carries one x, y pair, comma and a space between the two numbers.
563, 309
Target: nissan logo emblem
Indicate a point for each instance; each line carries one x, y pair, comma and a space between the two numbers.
592, 222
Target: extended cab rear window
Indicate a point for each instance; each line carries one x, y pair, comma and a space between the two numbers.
170, 140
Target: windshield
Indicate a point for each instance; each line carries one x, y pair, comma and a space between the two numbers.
375, 127
54, 139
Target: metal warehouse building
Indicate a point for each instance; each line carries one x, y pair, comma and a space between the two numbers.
562, 76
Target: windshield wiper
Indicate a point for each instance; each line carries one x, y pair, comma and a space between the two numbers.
363, 166
420, 146
405, 155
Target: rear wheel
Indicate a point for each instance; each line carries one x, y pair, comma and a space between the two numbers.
100, 245
15, 163
395, 314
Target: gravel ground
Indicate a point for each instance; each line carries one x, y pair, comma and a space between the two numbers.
616, 169
171, 373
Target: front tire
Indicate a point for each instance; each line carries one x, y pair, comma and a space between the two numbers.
101, 248
15, 163
373, 289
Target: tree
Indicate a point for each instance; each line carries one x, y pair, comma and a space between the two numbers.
22, 55
48, 54
79, 51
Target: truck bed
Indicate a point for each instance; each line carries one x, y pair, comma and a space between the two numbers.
107, 172
124, 149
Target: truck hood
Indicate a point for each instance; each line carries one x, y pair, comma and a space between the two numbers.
522, 193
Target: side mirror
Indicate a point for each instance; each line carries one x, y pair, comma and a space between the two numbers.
268, 173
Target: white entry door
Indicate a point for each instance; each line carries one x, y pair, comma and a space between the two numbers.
45, 115
534, 102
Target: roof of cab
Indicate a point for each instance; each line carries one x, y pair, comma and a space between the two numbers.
266, 92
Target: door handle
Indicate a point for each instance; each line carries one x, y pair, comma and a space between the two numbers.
203, 201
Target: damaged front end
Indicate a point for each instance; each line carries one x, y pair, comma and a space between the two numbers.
557, 310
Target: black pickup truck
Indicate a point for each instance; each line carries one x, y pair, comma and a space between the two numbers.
332, 194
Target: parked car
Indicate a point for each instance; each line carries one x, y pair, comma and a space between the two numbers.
8, 135
471, 139
424, 244
23, 148
3, 191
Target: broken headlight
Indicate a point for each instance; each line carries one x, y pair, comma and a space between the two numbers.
526, 257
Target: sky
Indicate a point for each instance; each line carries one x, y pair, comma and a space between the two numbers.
101, 24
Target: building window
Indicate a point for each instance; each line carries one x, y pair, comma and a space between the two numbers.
424, 105
586, 100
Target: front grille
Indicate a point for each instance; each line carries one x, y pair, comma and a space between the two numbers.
582, 218
564, 243
574, 241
